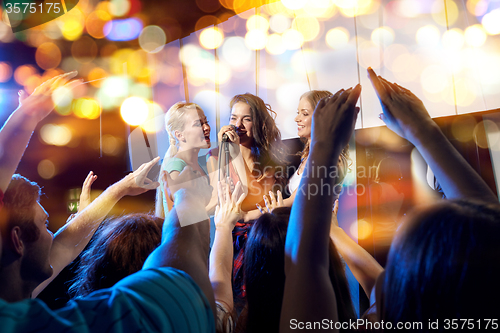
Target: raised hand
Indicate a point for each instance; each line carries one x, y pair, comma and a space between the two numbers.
271, 202
85, 195
136, 182
228, 212
230, 132
403, 112
334, 118
190, 181
40, 103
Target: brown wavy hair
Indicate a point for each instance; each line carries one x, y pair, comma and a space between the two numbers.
267, 148
119, 248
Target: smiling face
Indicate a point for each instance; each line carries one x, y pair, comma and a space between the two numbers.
241, 117
303, 118
196, 132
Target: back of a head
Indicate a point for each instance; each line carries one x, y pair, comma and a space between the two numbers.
119, 248
443, 264
19, 198
264, 272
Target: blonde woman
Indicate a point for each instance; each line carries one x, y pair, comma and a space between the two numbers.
188, 131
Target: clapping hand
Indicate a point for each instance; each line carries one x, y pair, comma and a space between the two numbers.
85, 195
271, 203
334, 118
40, 103
403, 112
228, 212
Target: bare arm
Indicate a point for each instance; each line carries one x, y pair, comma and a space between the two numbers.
406, 115
186, 246
221, 256
363, 266
309, 295
16, 133
71, 239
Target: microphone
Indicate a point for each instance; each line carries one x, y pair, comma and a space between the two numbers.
225, 137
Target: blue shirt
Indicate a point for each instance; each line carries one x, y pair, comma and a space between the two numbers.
153, 300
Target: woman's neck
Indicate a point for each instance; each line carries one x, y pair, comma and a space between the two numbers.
246, 153
190, 156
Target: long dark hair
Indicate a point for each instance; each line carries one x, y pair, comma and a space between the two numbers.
264, 273
118, 248
267, 148
443, 264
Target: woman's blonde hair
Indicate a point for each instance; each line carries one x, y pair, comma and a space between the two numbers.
175, 121
313, 97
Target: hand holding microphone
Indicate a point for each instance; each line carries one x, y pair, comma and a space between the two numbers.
228, 134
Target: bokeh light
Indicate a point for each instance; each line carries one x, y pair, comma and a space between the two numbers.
84, 49
208, 6
257, 22
152, 39
62, 97
434, 79
56, 135
453, 40
86, 108
361, 229
211, 38
475, 35
322, 9
491, 22
95, 23
275, 44
337, 38
5, 72
111, 145
46, 169
206, 21
477, 7
123, 30
235, 53
308, 26
23, 72
383, 36
48, 55
294, 4
428, 35
72, 29
279, 23
95, 74
119, 7
134, 110
462, 128
256, 39
156, 120
481, 131
439, 14
292, 39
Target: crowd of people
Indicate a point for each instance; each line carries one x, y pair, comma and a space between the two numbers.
277, 263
